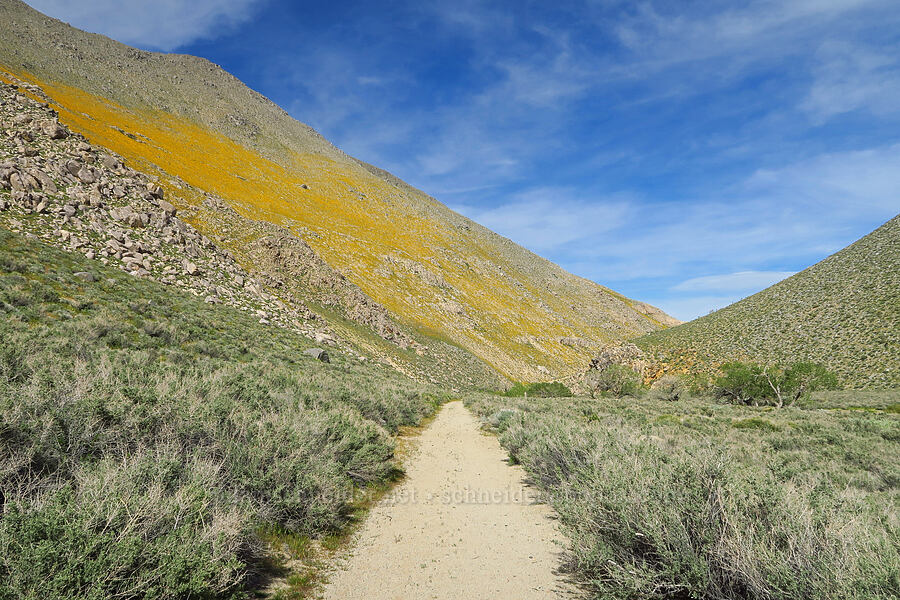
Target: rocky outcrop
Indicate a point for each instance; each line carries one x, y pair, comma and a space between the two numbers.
655, 314
60, 188
289, 264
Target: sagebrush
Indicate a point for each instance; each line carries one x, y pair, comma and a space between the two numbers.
146, 436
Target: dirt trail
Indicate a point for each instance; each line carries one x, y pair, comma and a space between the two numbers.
461, 525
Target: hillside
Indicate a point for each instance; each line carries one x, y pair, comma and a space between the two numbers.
235, 166
149, 439
842, 312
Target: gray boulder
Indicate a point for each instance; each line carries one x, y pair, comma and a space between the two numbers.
318, 354
54, 130
86, 276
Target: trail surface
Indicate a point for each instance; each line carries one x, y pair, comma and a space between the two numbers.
463, 524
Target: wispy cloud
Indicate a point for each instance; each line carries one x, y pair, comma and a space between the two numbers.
849, 78
742, 281
851, 184
683, 153
551, 219
160, 25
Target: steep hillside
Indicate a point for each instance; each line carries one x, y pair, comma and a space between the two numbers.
151, 443
59, 188
450, 286
843, 312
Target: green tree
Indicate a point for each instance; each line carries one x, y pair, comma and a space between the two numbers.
773, 385
802, 378
615, 380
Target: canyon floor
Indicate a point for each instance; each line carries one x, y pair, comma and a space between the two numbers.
462, 524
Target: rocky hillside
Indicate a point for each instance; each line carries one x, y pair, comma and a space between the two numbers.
843, 312
57, 187
441, 292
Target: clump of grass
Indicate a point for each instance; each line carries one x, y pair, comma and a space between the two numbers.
755, 423
669, 388
614, 380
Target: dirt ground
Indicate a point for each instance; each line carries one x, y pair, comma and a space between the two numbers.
463, 524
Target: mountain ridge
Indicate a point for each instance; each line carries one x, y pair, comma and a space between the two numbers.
436, 272
842, 312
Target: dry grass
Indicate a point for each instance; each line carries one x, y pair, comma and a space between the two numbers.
694, 499
145, 437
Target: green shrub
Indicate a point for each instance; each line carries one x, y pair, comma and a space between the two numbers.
614, 380
803, 378
146, 437
553, 389
668, 388
151, 528
800, 504
742, 383
500, 420
772, 385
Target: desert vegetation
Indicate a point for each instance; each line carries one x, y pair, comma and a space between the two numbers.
772, 385
841, 313
548, 389
663, 497
147, 438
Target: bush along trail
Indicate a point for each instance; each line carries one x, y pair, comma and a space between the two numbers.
148, 439
674, 498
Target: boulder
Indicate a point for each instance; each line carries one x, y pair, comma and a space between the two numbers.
16, 183
72, 167
128, 215
154, 190
110, 162
86, 276
324, 338
167, 208
54, 130
86, 175
318, 354
190, 268
46, 183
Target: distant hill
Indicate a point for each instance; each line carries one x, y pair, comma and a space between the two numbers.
843, 312
426, 289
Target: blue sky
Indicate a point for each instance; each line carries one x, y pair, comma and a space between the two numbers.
686, 154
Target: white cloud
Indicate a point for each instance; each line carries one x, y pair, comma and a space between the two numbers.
160, 24
687, 309
549, 219
652, 31
859, 182
849, 78
741, 281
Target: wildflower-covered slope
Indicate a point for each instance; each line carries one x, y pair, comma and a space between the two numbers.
843, 312
449, 281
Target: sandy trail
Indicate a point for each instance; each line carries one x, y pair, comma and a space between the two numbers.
461, 525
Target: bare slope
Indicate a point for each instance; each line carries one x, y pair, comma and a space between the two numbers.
843, 312
462, 525
203, 132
